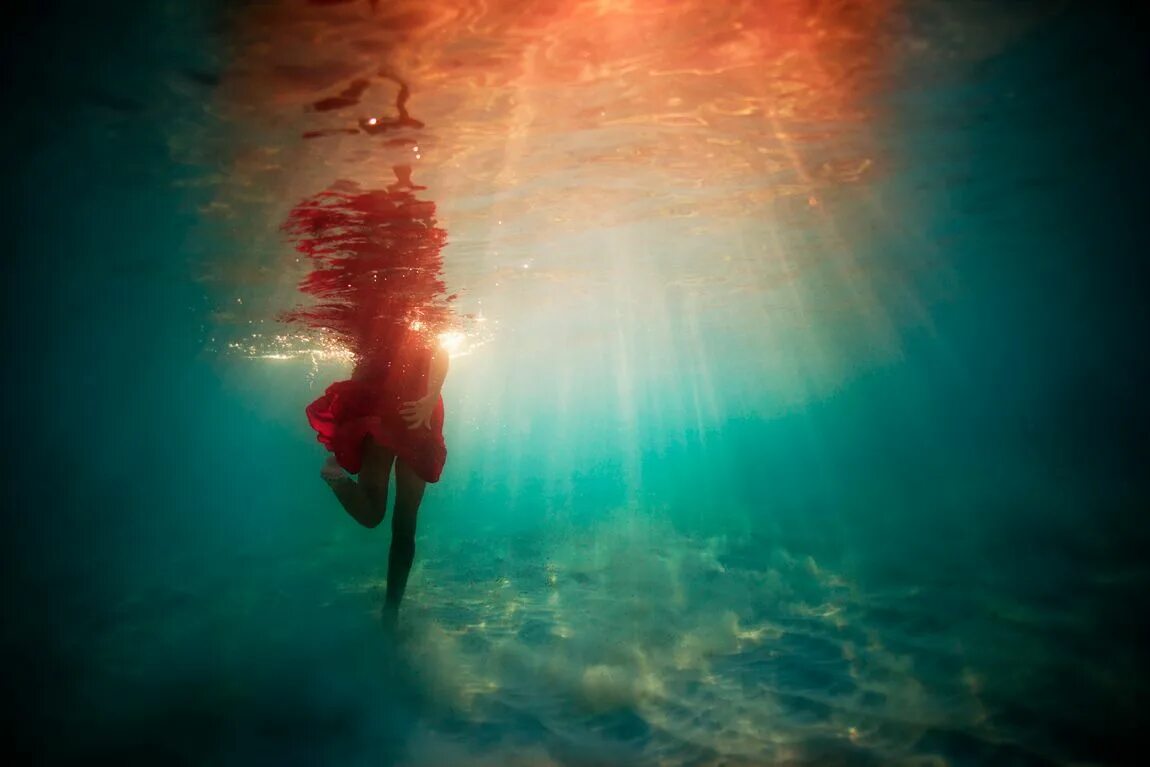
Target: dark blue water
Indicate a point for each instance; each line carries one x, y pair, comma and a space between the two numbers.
939, 560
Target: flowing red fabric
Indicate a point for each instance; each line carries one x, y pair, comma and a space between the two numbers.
377, 277
349, 411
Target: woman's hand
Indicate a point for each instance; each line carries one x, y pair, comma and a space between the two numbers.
418, 413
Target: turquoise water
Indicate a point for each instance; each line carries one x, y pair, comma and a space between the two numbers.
832, 460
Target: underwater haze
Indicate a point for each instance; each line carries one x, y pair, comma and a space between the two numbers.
796, 407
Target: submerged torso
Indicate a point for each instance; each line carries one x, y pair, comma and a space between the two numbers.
401, 372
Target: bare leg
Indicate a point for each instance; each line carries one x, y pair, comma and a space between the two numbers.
366, 500
409, 489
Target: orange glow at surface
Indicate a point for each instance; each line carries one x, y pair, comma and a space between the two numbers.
558, 115
668, 168
610, 102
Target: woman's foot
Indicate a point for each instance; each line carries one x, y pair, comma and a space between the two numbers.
332, 471
389, 617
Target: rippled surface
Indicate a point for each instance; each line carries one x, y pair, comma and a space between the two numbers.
631, 179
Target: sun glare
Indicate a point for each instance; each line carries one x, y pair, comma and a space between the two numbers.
452, 343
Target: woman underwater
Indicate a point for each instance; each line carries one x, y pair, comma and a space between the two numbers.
377, 265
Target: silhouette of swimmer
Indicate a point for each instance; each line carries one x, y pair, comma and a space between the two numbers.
376, 272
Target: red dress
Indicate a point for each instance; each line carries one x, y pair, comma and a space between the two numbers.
368, 405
